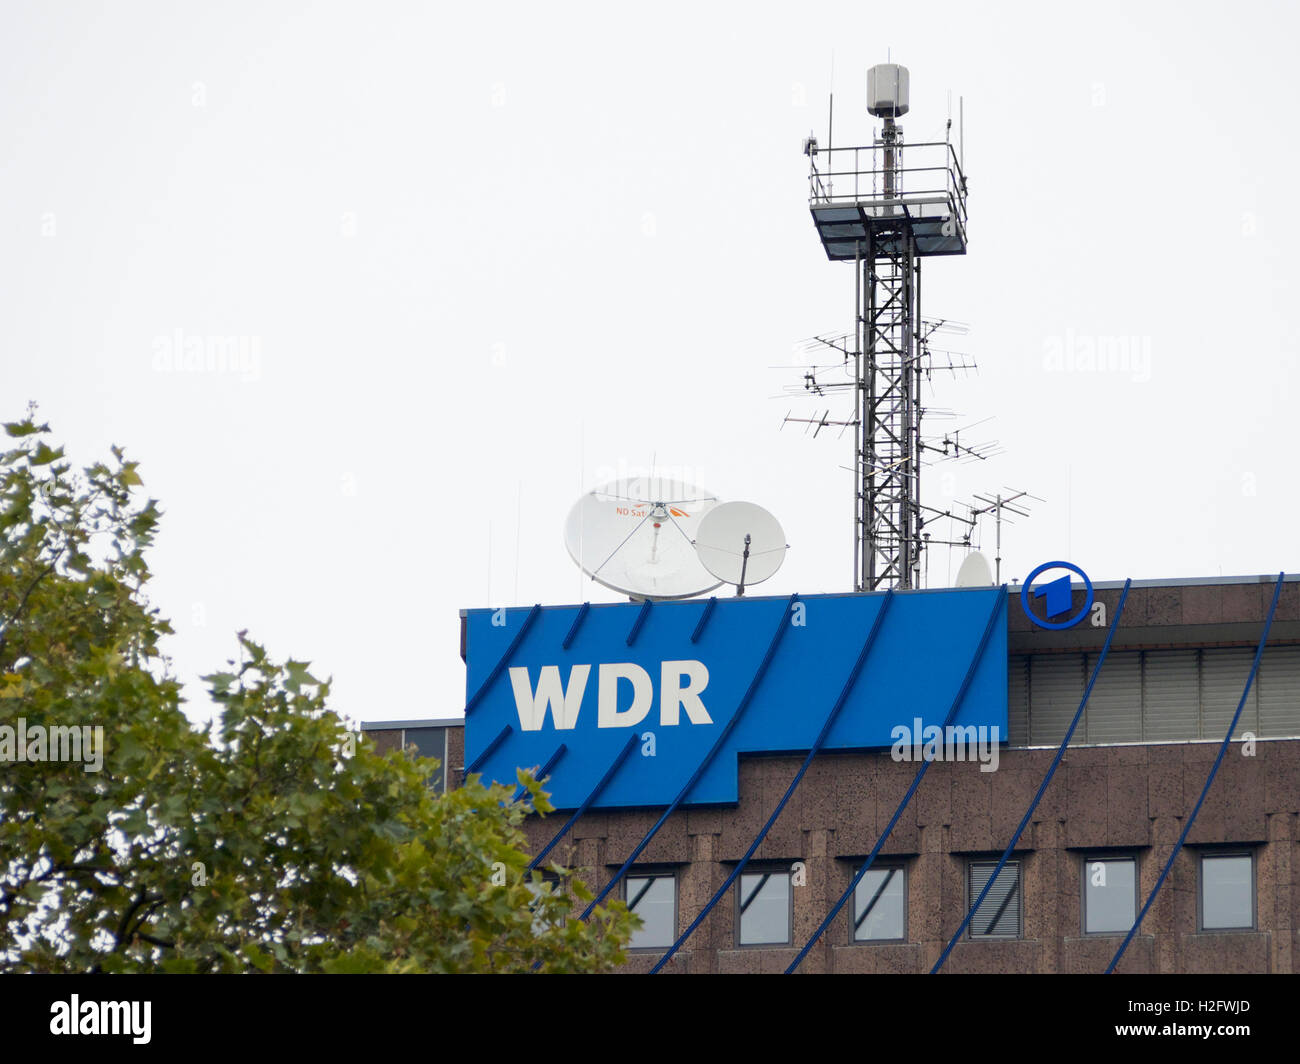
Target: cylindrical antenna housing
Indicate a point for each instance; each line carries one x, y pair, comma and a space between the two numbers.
888, 90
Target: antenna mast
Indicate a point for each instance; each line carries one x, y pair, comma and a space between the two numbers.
884, 217
996, 504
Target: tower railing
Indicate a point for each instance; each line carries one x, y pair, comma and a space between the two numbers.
927, 177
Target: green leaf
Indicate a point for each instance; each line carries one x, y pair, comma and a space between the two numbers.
45, 455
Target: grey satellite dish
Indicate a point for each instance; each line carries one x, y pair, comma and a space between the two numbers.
741, 544
975, 571
635, 536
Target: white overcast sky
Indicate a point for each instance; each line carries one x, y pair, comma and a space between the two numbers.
480, 257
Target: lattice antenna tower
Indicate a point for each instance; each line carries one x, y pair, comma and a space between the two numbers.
885, 217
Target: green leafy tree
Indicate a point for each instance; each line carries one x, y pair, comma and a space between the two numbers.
278, 839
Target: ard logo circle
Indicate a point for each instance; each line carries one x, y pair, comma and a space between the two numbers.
1055, 595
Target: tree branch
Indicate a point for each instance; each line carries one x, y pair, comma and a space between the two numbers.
22, 602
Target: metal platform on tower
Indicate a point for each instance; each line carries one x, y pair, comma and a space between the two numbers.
856, 191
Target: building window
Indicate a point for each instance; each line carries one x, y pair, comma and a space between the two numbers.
880, 905
999, 914
764, 905
547, 886
1227, 891
654, 899
1109, 894
430, 742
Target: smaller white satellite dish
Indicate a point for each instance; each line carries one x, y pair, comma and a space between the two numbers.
975, 571
740, 543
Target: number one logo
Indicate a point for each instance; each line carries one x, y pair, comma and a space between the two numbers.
1057, 595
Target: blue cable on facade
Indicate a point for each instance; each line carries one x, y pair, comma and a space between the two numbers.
551, 762
1223, 749
920, 775
705, 614
617, 763
577, 623
1042, 788
642, 614
489, 750
777, 636
812, 753
499, 667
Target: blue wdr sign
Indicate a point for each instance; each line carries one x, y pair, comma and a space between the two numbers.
678, 675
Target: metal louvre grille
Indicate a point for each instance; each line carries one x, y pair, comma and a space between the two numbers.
1056, 686
1223, 675
1279, 692
1114, 713
1171, 697
1018, 700
1153, 695
999, 913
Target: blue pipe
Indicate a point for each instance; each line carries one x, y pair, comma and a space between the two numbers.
817, 745
560, 751
577, 623
705, 614
777, 636
641, 616
1250, 679
488, 750
501, 664
1042, 788
628, 747
920, 775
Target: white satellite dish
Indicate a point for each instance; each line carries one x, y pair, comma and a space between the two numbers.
740, 543
635, 536
975, 571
